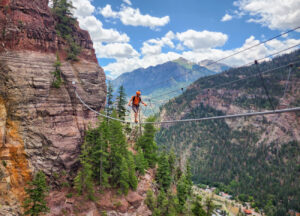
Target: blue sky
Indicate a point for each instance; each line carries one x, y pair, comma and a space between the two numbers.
129, 34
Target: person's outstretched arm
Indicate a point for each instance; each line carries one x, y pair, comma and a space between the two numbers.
129, 103
143, 103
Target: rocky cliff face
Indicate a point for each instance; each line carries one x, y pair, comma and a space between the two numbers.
29, 25
41, 127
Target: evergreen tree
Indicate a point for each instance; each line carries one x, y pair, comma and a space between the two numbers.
162, 202
102, 153
172, 204
141, 162
182, 192
97, 139
121, 103
62, 10
163, 175
150, 200
197, 208
35, 203
65, 20
84, 180
172, 159
133, 181
177, 174
124, 176
147, 144
209, 205
109, 99
188, 174
118, 150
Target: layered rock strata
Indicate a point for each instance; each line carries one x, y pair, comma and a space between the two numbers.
30, 25
41, 127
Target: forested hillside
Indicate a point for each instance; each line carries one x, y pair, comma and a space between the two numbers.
255, 158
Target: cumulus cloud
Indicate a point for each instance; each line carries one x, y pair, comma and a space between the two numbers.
193, 45
100, 34
202, 40
127, 2
244, 57
275, 14
108, 12
154, 46
84, 13
108, 43
226, 17
83, 8
133, 17
115, 50
130, 64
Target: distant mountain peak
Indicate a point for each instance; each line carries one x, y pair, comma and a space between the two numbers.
182, 60
211, 65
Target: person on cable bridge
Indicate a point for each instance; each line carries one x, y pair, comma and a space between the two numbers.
135, 103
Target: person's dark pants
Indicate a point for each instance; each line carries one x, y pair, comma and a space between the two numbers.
135, 108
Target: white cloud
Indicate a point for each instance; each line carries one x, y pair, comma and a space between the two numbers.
116, 43
133, 17
108, 12
244, 57
100, 34
115, 50
226, 17
202, 40
154, 46
275, 14
149, 49
83, 8
130, 64
84, 13
127, 2
192, 45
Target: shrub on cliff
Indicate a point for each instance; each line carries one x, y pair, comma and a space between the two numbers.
62, 10
57, 81
35, 203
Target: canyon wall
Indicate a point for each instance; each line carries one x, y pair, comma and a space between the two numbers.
41, 127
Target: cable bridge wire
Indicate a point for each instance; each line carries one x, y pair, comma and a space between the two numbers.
231, 55
248, 64
206, 118
295, 109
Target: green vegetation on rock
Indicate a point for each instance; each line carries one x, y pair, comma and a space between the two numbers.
34, 203
57, 80
65, 26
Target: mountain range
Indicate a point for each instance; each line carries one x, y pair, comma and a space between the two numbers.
163, 76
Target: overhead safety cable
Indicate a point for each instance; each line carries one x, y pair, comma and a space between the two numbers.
235, 53
241, 79
248, 64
